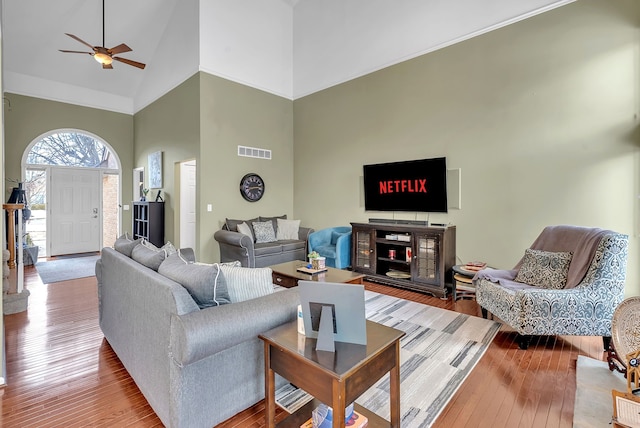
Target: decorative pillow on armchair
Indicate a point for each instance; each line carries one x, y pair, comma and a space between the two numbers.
544, 269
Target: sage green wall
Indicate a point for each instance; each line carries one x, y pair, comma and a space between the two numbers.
540, 116
26, 118
171, 125
231, 115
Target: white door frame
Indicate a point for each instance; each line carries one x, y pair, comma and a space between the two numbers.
25, 165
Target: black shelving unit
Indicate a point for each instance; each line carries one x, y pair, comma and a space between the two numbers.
148, 221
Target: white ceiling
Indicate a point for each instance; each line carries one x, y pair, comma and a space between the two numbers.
287, 47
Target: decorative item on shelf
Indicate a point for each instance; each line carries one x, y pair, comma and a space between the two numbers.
392, 254
158, 197
404, 238
407, 254
322, 417
144, 194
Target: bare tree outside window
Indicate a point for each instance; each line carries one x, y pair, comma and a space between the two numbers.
71, 149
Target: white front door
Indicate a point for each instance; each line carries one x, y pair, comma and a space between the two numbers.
75, 213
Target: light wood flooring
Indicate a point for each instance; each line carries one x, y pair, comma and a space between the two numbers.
62, 373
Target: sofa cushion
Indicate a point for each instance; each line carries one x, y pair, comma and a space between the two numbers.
267, 248
232, 224
264, 232
274, 220
245, 229
148, 257
544, 268
168, 247
204, 282
291, 245
125, 244
247, 283
287, 229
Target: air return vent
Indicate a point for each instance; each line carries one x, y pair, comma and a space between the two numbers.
253, 152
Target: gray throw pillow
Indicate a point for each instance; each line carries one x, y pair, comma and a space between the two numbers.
247, 283
148, 257
544, 268
274, 220
204, 282
263, 231
125, 245
232, 224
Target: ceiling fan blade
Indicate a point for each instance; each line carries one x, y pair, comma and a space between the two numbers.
107, 66
121, 48
79, 40
130, 62
81, 52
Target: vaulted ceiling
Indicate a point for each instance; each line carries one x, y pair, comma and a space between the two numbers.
288, 47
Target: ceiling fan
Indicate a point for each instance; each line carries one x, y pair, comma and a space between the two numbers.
103, 55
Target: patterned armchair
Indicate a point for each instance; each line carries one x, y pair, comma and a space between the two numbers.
581, 309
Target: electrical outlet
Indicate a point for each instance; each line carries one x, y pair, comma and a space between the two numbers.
209, 207
125, 207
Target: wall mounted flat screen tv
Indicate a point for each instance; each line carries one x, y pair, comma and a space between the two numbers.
416, 185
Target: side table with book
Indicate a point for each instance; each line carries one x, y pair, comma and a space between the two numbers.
334, 378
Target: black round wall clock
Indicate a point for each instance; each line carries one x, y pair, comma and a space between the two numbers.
252, 187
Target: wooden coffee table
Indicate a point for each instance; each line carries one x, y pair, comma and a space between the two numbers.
336, 379
286, 275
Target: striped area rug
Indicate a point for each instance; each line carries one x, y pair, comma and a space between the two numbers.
439, 351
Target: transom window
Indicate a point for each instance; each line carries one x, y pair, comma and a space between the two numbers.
71, 149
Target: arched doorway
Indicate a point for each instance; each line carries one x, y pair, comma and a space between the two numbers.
72, 181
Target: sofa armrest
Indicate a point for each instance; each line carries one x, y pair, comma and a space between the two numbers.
235, 246
200, 334
303, 233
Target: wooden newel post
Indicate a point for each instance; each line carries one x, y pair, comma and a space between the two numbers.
11, 239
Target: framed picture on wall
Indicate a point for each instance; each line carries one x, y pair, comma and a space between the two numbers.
155, 170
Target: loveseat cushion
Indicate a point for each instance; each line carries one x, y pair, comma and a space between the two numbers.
205, 282
265, 248
292, 245
232, 224
544, 268
125, 244
148, 257
274, 220
264, 231
287, 229
247, 283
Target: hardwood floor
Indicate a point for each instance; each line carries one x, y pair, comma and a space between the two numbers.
61, 371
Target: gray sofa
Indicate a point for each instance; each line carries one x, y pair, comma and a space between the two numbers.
237, 246
196, 367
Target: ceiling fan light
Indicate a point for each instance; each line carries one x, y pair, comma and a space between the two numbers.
103, 58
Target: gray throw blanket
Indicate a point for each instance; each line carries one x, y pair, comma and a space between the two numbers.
581, 241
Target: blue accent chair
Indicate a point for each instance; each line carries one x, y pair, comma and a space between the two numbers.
334, 243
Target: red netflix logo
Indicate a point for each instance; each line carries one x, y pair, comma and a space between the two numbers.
403, 186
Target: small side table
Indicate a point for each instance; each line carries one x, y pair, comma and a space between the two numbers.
462, 287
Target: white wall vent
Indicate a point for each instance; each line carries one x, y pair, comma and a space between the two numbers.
253, 152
